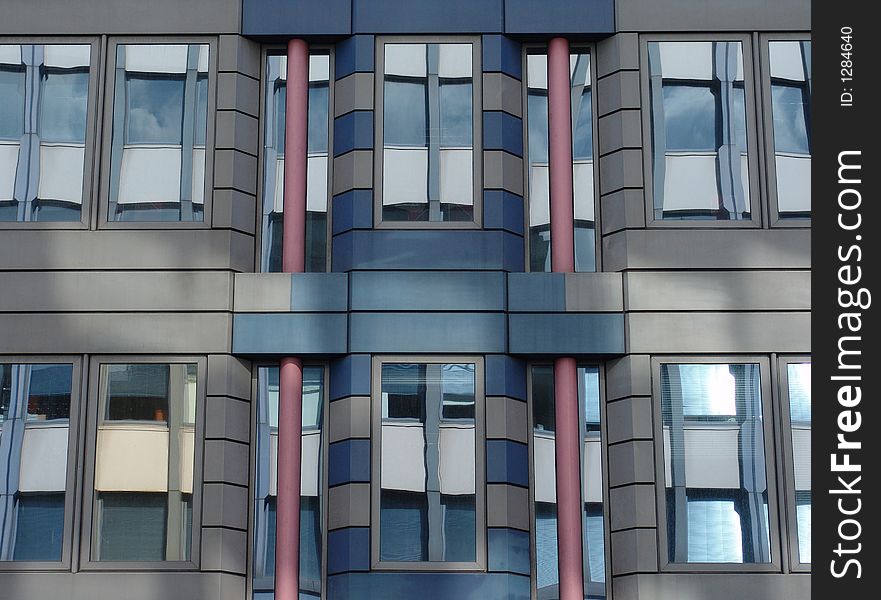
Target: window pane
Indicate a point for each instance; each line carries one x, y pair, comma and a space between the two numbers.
700, 163
714, 463
791, 110
428, 103
428, 476
798, 376
316, 166
265, 500
537, 159
42, 159
144, 461
34, 434
593, 536
160, 106
582, 162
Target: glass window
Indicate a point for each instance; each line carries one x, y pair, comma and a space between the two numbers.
790, 65
700, 161
316, 165
545, 484
428, 129
265, 489
537, 157
157, 156
798, 380
35, 401
144, 461
44, 105
714, 463
428, 474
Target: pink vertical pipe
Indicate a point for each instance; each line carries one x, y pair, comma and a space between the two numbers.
290, 385
568, 431
560, 157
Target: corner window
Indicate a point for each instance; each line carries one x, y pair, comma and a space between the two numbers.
699, 107
790, 81
45, 120
312, 480
547, 578
796, 379
429, 155
272, 218
718, 495
37, 400
145, 455
159, 128
429, 482
537, 159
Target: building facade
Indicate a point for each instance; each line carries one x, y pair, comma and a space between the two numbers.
377, 299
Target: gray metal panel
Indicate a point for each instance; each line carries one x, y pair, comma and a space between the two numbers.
94, 291
634, 551
629, 419
225, 462
502, 171
229, 376
506, 418
621, 169
622, 210
629, 376
227, 418
719, 290
594, 292
708, 249
616, 53
722, 586
232, 209
632, 506
236, 91
428, 290
224, 550
319, 292
617, 91
631, 462
759, 332
353, 92
236, 170
114, 333
237, 53
353, 171
133, 585
507, 506
502, 92
349, 418
428, 332
622, 129
120, 17
236, 130
224, 506
262, 292
713, 15
348, 506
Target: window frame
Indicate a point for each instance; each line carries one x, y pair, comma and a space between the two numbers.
476, 132
106, 137
90, 158
252, 480
771, 469
74, 452
788, 503
604, 458
774, 219
752, 102
480, 562
280, 50
89, 495
574, 48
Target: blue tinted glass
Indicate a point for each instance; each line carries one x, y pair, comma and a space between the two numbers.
201, 128
690, 117
547, 574
49, 392
456, 99
132, 526
405, 104
318, 106
582, 116
39, 530
404, 516
155, 109
11, 102
64, 101
595, 552
788, 104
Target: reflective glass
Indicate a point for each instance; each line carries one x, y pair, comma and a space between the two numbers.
700, 162
428, 125
265, 490
714, 463
316, 166
428, 474
144, 461
34, 438
537, 159
791, 110
42, 153
159, 128
798, 377
582, 162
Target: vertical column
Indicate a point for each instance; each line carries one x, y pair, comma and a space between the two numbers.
568, 442
290, 405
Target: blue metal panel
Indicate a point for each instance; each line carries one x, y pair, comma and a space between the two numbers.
350, 376
586, 18
296, 17
348, 550
508, 550
289, 334
427, 586
353, 131
428, 332
428, 290
502, 54
503, 210
319, 292
502, 131
352, 210
539, 292
567, 333
505, 376
353, 55
507, 462
348, 462
427, 16
430, 250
